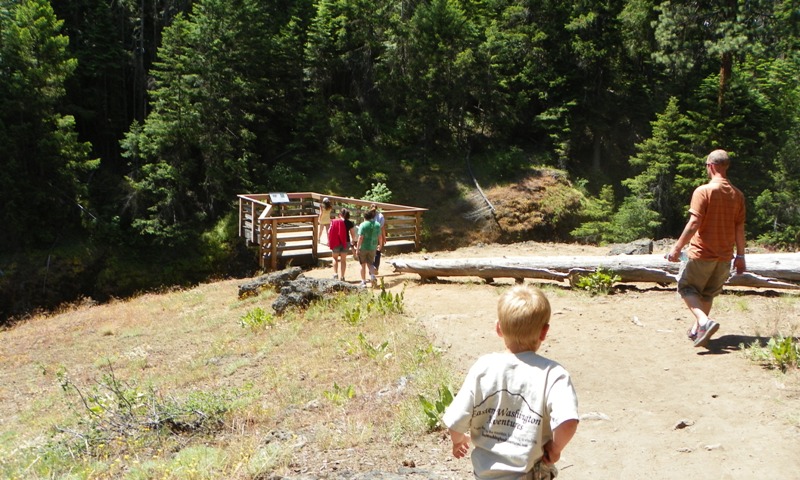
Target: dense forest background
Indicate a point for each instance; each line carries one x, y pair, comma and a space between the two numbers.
128, 127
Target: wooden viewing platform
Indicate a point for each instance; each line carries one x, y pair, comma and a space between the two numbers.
284, 226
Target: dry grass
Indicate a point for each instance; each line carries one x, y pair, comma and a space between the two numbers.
535, 205
311, 388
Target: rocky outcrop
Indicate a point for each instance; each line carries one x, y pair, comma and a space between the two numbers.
294, 288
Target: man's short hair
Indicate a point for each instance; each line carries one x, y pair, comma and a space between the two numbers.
522, 312
717, 157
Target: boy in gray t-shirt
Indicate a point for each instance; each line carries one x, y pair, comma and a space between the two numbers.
518, 408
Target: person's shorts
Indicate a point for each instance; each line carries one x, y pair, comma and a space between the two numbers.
366, 256
340, 249
542, 471
703, 278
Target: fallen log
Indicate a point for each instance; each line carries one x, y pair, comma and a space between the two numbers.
773, 270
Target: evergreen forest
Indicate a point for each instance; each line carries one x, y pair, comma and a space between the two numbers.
128, 127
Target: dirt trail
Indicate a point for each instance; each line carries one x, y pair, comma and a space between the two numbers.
639, 380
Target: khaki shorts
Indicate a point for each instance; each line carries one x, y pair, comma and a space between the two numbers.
366, 256
542, 471
703, 278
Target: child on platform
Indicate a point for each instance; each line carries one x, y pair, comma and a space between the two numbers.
325, 211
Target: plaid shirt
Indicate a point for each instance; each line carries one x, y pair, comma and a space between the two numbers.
719, 206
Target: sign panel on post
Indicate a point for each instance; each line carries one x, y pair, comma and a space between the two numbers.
278, 198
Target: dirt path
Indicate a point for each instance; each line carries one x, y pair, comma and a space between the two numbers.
636, 374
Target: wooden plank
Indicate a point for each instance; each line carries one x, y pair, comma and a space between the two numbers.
293, 229
400, 228
401, 224
409, 237
288, 247
400, 232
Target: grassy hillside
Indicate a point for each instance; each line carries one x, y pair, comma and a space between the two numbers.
196, 383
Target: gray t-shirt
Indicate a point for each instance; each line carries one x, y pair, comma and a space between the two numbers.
510, 404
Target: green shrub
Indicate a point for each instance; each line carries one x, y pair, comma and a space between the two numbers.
388, 303
384, 303
257, 319
434, 410
780, 352
339, 395
600, 282
378, 193
354, 316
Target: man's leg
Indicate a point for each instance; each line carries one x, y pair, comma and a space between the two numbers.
718, 275
706, 329
694, 280
699, 307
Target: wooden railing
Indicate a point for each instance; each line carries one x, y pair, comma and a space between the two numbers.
281, 230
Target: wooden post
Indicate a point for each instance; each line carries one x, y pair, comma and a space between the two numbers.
274, 243
241, 217
263, 239
417, 230
314, 234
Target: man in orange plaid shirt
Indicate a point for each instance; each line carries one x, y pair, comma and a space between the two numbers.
714, 229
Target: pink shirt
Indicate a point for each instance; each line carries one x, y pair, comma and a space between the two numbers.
337, 235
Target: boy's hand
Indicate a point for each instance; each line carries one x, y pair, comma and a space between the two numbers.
460, 444
551, 454
562, 434
460, 450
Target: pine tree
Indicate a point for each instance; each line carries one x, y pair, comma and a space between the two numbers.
43, 180
216, 92
669, 171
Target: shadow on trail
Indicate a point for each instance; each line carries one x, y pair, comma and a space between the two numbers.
732, 343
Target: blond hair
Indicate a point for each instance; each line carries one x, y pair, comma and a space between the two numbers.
522, 313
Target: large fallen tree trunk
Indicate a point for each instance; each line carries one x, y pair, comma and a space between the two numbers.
774, 270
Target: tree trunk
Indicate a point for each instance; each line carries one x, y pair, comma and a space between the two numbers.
725, 73
775, 270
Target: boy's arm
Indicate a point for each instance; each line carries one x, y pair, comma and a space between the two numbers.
562, 434
460, 443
